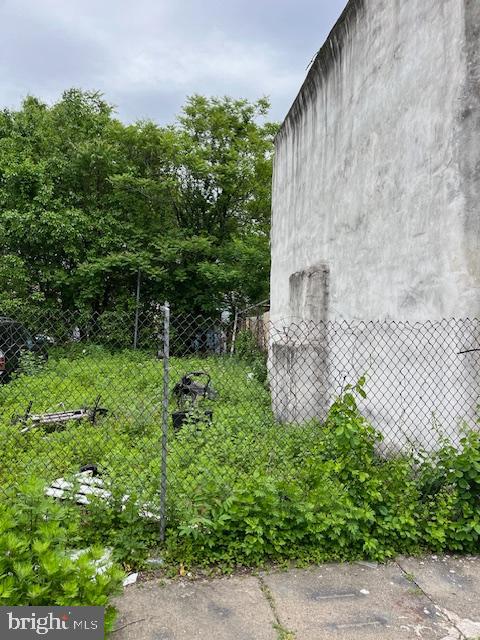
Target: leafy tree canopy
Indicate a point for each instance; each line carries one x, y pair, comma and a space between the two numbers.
86, 202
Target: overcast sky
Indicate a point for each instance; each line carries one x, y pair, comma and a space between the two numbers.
146, 56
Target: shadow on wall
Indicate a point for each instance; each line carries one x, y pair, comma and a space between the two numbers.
298, 354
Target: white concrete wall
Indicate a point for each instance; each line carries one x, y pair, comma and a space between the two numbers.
377, 172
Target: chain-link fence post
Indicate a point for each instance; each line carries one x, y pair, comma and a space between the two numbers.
163, 478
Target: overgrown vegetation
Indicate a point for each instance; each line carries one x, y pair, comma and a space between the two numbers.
243, 489
38, 563
450, 487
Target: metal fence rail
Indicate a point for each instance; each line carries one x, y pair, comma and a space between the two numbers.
167, 407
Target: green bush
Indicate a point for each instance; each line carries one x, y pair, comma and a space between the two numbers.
116, 524
335, 499
36, 566
450, 483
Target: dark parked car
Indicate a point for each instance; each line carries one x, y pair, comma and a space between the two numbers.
14, 340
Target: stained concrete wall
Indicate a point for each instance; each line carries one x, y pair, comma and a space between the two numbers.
376, 185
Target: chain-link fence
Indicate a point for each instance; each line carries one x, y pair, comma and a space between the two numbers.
163, 406
75, 396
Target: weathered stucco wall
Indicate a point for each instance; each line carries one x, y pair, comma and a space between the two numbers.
376, 189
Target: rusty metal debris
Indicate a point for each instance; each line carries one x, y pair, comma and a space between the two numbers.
192, 388
31, 420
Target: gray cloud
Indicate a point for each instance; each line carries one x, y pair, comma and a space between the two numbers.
146, 56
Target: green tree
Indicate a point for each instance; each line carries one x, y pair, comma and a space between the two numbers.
86, 201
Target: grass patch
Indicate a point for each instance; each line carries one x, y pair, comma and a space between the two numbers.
126, 443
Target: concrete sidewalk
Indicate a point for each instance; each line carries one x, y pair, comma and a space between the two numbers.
433, 597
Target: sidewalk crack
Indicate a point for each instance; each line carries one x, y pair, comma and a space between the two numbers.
411, 578
282, 632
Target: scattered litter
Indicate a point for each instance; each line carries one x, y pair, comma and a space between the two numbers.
155, 562
101, 565
31, 420
365, 592
130, 579
144, 511
188, 392
426, 611
434, 557
87, 486
91, 467
452, 571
